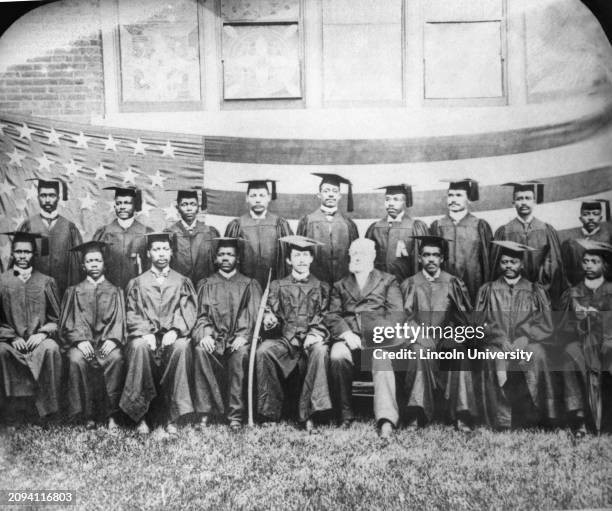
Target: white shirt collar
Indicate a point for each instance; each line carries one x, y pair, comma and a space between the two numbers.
49, 216
163, 273
589, 234
527, 220
594, 283
398, 218
329, 211
429, 277
189, 227
299, 276
258, 217
457, 216
126, 224
21, 274
96, 282
512, 282
229, 275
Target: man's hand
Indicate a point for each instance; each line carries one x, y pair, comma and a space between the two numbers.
19, 344
311, 340
581, 312
352, 340
151, 341
238, 343
107, 347
35, 340
86, 349
169, 338
208, 343
520, 343
269, 321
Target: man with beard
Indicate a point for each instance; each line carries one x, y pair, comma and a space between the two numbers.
333, 230
594, 216
161, 311
30, 359
261, 230
227, 309
92, 330
194, 255
468, 237
435, 298
364, 290
395, 248
125, 254
296, 339
62, 235
517, 316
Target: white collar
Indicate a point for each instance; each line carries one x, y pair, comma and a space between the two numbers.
23, 275
398, 218
512, 282
229, 275
329, 211
163, 273
258, 217
96, 282
592, 233
299, 276
126, 224
431, 278
594, 283
49, 216
457, 216
527, 221
189, 227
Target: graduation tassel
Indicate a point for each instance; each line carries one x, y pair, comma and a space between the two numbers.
349, 199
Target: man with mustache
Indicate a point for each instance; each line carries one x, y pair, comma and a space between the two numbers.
395, 248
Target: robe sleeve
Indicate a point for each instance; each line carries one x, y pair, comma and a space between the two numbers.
302, 228
273, 306
460, 297
74, 268
114, 319
552, 273
317, 323
334, 320
495, 253
370, 233
484, 316
52, 308
394, 300
7, 332
185, 314
214, 232
407, 289
485, 236
353, 232
138, 324
567, 328
204, 325
282, 229
73, 329
247, 315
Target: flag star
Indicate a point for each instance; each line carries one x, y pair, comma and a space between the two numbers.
168, 150
44, 163
25, 131
110, 144
87, 202
72, 168
101, 172
129, 176
31, 193
158, 180
16, 157
54, 137
139, 147
6, 188
171, 212
81, 140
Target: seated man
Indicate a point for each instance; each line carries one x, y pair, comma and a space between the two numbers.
435, 298
296, 339
517, 315
161, 311
30, 360
364, 290
588, 356
92, 329
227, 309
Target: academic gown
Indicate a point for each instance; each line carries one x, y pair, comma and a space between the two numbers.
337, 232
154, 308
194, 255
93, 313
510, 312
61, 264
262, 251
299, 307
379, 297
121, 256
572, 252
468, 255
227, 308
387, 238
25, 308
543, 265
442, 302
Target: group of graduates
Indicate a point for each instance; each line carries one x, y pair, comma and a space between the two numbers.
158, 325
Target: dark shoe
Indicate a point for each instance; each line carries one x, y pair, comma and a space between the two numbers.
413, 425
580, 431
235, 425
386, 430
462, 427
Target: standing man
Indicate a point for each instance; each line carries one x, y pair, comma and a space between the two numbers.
227, 309
518, 319
594, 216
296, 343
30, 359
126, 253
194, 256
92, 330
468, 237
436, 298
161, 312
261, 231
62, 235
333, 230
543, 264
364, 290
396, 252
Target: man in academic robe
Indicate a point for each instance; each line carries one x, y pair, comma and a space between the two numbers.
261, 230
228, 302
331, 228
61, 234
30, 359
543, 264
125, 254
92, 331
161, 312
594, 216
588, 354
371, 291
396, 252
516, 314
436, 298
194, 255
469, 237
295, 344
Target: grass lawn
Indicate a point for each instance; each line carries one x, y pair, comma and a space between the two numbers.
285, 468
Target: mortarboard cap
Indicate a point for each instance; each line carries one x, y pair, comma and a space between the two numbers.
152, 237
596, 247
30, 237
533, 186
192, 194
469, 185
90, 246
224, 241
262, 183
56, 184
404, 189
336, 180
300, 242
128, 192
512, 248
601, 204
